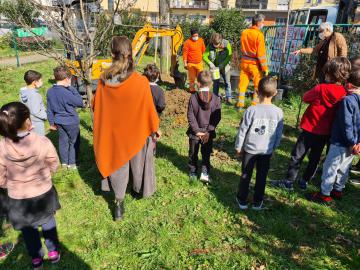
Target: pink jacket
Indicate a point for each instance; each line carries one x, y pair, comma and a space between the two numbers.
26, 166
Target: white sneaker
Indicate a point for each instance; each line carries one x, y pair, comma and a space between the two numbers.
242, 206
204, 177
63, 165
72, 167
258, 206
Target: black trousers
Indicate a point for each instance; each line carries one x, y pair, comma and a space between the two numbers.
249, 161
32, 239
306, 142
206, 150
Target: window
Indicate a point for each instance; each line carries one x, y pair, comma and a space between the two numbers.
200, 18
298, 17
280, 21
154, 18
317, 16
111, 4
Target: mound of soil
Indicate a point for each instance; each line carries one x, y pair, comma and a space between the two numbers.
176, 107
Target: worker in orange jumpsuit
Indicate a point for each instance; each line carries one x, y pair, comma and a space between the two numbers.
193, 51
253, 62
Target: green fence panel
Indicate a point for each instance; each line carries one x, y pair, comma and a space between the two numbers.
40, 31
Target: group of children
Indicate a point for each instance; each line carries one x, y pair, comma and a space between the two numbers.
26, 154
28, 159
332, 119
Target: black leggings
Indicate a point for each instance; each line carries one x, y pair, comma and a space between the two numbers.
33, 240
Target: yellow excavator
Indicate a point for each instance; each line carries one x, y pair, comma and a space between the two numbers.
140, 43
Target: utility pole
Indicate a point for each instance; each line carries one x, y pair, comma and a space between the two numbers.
164, 11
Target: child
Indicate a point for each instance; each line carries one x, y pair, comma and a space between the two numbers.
152, 73
259, 134
30, 96
316, 122
27, 161
204, 114
62, 101
345, 143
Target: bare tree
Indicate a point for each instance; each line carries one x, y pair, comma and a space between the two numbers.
82, 27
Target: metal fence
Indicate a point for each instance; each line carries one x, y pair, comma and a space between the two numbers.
301, 36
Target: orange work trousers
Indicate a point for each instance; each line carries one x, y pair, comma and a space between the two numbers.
248, 72
193, 71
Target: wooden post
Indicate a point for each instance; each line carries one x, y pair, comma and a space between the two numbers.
164, 10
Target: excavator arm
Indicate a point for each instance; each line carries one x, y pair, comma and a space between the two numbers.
142, 39
140, 44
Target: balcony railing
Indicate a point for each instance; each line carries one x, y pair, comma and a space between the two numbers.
189, 4
252, 5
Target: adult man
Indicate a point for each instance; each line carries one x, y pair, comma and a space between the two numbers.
193, 51
218, 54
331, 45
253, 62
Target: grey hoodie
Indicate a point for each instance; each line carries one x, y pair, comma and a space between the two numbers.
33, 100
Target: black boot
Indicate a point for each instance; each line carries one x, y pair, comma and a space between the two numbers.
119, 210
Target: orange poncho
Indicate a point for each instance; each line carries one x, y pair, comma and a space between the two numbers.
124, 116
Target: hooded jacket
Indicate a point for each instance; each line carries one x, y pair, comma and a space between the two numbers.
26, 166
320, 114
204, 113
33, 100
346, 128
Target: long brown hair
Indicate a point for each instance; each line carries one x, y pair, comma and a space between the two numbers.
123, 64
12, 117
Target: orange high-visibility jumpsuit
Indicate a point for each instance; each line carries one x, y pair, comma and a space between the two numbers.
253, 62
192, 55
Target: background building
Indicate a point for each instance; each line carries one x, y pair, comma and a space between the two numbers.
274, 10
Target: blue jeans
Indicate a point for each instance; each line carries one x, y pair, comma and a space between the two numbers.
33, 241
226, 77
336, 169
69, 143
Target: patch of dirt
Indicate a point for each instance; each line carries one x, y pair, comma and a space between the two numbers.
221, 156
176, 107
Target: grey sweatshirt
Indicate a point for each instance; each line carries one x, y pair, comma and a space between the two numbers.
33, 100
260, 130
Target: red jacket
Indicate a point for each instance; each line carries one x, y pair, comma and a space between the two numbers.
320, 114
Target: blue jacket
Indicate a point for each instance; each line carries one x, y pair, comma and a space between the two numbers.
346, 127
61, 105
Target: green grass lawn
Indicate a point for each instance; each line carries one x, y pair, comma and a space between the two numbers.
10, 52
189, 225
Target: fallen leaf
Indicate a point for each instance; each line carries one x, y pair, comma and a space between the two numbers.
258, 266
342, 240
304, 248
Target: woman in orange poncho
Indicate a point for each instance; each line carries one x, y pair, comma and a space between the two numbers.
125, 127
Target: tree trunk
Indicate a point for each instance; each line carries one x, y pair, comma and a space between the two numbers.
165, 41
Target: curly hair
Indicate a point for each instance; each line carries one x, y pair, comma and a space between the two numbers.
337, 69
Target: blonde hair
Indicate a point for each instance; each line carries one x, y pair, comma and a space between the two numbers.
123, 64
216, 38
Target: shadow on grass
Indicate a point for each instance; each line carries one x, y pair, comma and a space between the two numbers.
303, 235
87, 167
18, 259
